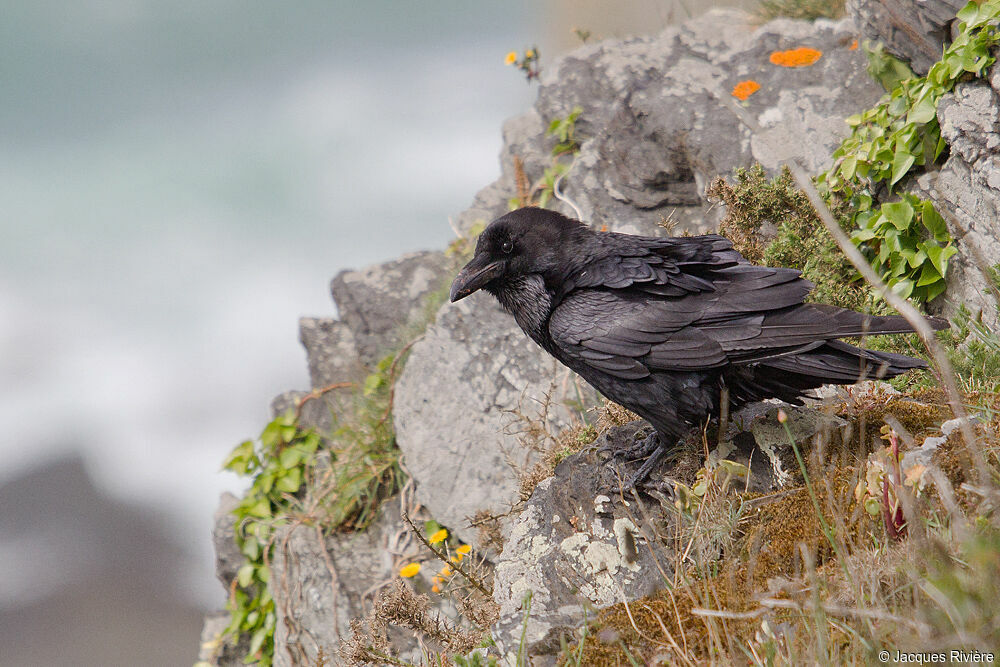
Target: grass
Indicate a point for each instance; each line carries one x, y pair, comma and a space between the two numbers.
813, 578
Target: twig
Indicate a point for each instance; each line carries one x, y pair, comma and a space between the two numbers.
444, 559
563, 198
317, 393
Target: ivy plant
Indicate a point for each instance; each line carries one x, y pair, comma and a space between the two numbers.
908, 243
277, 463
906, 239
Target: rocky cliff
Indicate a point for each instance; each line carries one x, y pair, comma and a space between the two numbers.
654, 129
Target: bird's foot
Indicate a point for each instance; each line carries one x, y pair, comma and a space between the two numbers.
654, 449
639, 449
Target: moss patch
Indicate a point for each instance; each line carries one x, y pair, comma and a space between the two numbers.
771, 222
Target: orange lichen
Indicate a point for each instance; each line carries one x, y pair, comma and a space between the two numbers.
800, 57
853, 46
745, 89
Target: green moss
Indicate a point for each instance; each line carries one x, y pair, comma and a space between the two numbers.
755, 203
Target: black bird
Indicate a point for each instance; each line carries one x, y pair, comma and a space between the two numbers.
664, 325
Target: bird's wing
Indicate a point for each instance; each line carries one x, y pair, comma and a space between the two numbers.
751, 313
670, 267
631, 337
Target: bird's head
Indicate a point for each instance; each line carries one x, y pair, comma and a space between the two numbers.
522, 242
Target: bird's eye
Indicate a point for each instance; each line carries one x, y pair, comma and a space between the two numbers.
507, 246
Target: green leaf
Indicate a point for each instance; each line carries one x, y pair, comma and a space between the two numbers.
903, 288
939, 257
257, 641
862, 235
261, 509
271, 434
290, 481
251, 549
244, 576
933, 221
238, 460
935, 289
848, 167
290, 457
901, 164
372, 384
928, 275
900, 214
923, 111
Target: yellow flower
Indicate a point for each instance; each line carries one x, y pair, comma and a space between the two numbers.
511, 58
435, 589
464, 549
529, 54
800, 57
439, 536
410, 570
446, 571
745, 89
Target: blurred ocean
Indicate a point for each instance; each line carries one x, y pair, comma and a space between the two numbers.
178, 184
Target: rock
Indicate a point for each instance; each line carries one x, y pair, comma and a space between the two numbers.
912, 30
453, 403
228, 558
213, 650
320, 583
378, 302
576, 545
966, 190
330, 351
756, 439
656, 122
572, 547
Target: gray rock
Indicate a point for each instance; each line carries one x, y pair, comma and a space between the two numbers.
967, 192
572, 548
213, 650
576, 545
378, 302
657, 126
913, 30
320, 583
228, 558
330, 351
452, 409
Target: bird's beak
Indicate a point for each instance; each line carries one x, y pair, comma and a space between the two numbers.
474, 276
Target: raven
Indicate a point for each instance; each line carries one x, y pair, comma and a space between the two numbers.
667, 326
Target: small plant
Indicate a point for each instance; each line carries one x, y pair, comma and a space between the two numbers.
539, 194
527, 63
363, 471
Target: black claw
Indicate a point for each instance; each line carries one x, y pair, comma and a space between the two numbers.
639, 450
640, 476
